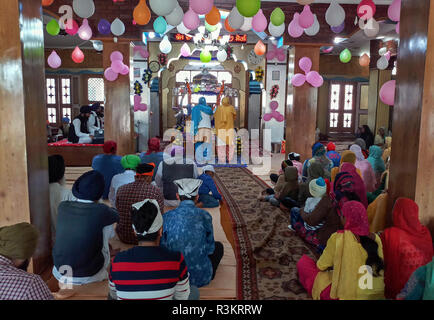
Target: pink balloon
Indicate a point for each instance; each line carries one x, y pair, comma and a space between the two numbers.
274, 113
110, 75
201, 6
267, 117
315, 79
294, 28
397, 28
298, 80
125, 70
274, 105
387, 92
117, 66
116, 55
306, 18
387, 55
305, 64
394, 10
138, 105
259, 22
74, 29
191, 19
54, 60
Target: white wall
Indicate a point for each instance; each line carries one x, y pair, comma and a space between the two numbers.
277, 128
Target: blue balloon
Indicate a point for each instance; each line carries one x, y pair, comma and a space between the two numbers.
160, 25
104, 26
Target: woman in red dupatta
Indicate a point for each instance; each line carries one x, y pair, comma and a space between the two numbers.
357, 184
407, 246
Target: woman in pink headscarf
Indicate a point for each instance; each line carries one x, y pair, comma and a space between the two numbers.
357, 184
365, 168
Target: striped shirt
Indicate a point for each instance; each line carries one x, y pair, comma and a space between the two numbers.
149, 273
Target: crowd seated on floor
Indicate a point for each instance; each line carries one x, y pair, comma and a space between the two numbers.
337, 206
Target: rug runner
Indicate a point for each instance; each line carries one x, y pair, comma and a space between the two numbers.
266, 250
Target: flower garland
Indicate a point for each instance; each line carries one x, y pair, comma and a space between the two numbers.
274, 91
138, 88
259, 72
147, 76
162, 59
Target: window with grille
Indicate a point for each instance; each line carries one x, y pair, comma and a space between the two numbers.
52, 115
66, 113
51, 90
66, 90
95, 89
342, 107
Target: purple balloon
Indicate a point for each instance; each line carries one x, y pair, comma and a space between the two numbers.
315, 79
338, 29
104, 26
298, 79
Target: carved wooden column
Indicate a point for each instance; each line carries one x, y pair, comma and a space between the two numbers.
301, 114
23, 143
118, 112
411, 169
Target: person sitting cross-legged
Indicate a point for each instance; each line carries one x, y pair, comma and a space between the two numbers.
17, 245
189, 230
149, 271
206, 200
84, 228
134, 192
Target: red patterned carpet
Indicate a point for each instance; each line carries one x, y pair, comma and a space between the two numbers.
266, 250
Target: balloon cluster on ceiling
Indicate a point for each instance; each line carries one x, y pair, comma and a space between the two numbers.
245, 15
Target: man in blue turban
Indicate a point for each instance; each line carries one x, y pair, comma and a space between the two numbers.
201, 128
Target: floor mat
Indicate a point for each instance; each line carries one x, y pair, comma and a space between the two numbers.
266, 250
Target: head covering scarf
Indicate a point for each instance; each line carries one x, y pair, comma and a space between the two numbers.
208, 168
315, 171
348, 157
331, 146
317, 188
318, 150
188, 187
145, 169
376, 160
407, 245
56, 168
196, 114
18, 241
158, 221
291, 181
358, 184
130, 161
153, 145
368, 136
358, 152
110, 147
361, 143
85, 109
89, 186
356, 218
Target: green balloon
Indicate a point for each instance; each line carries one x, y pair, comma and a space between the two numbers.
205, 56
277, 17
209, 27
53, 27
345, 56
248, 8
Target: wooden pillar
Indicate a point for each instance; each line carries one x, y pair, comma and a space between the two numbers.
301, 113
378, 112
411, 168
23, 143
118, 112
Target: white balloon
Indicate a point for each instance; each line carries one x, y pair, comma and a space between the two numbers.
97, 45
276, 31
117, 27
175, 17
222, 55
162, 7
314, 29
382, 63
247, 25
335, 14
182, 29
370, 28
83, 8
165, 45
235, 19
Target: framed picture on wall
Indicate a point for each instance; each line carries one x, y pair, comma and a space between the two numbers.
136, 72
275, 75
